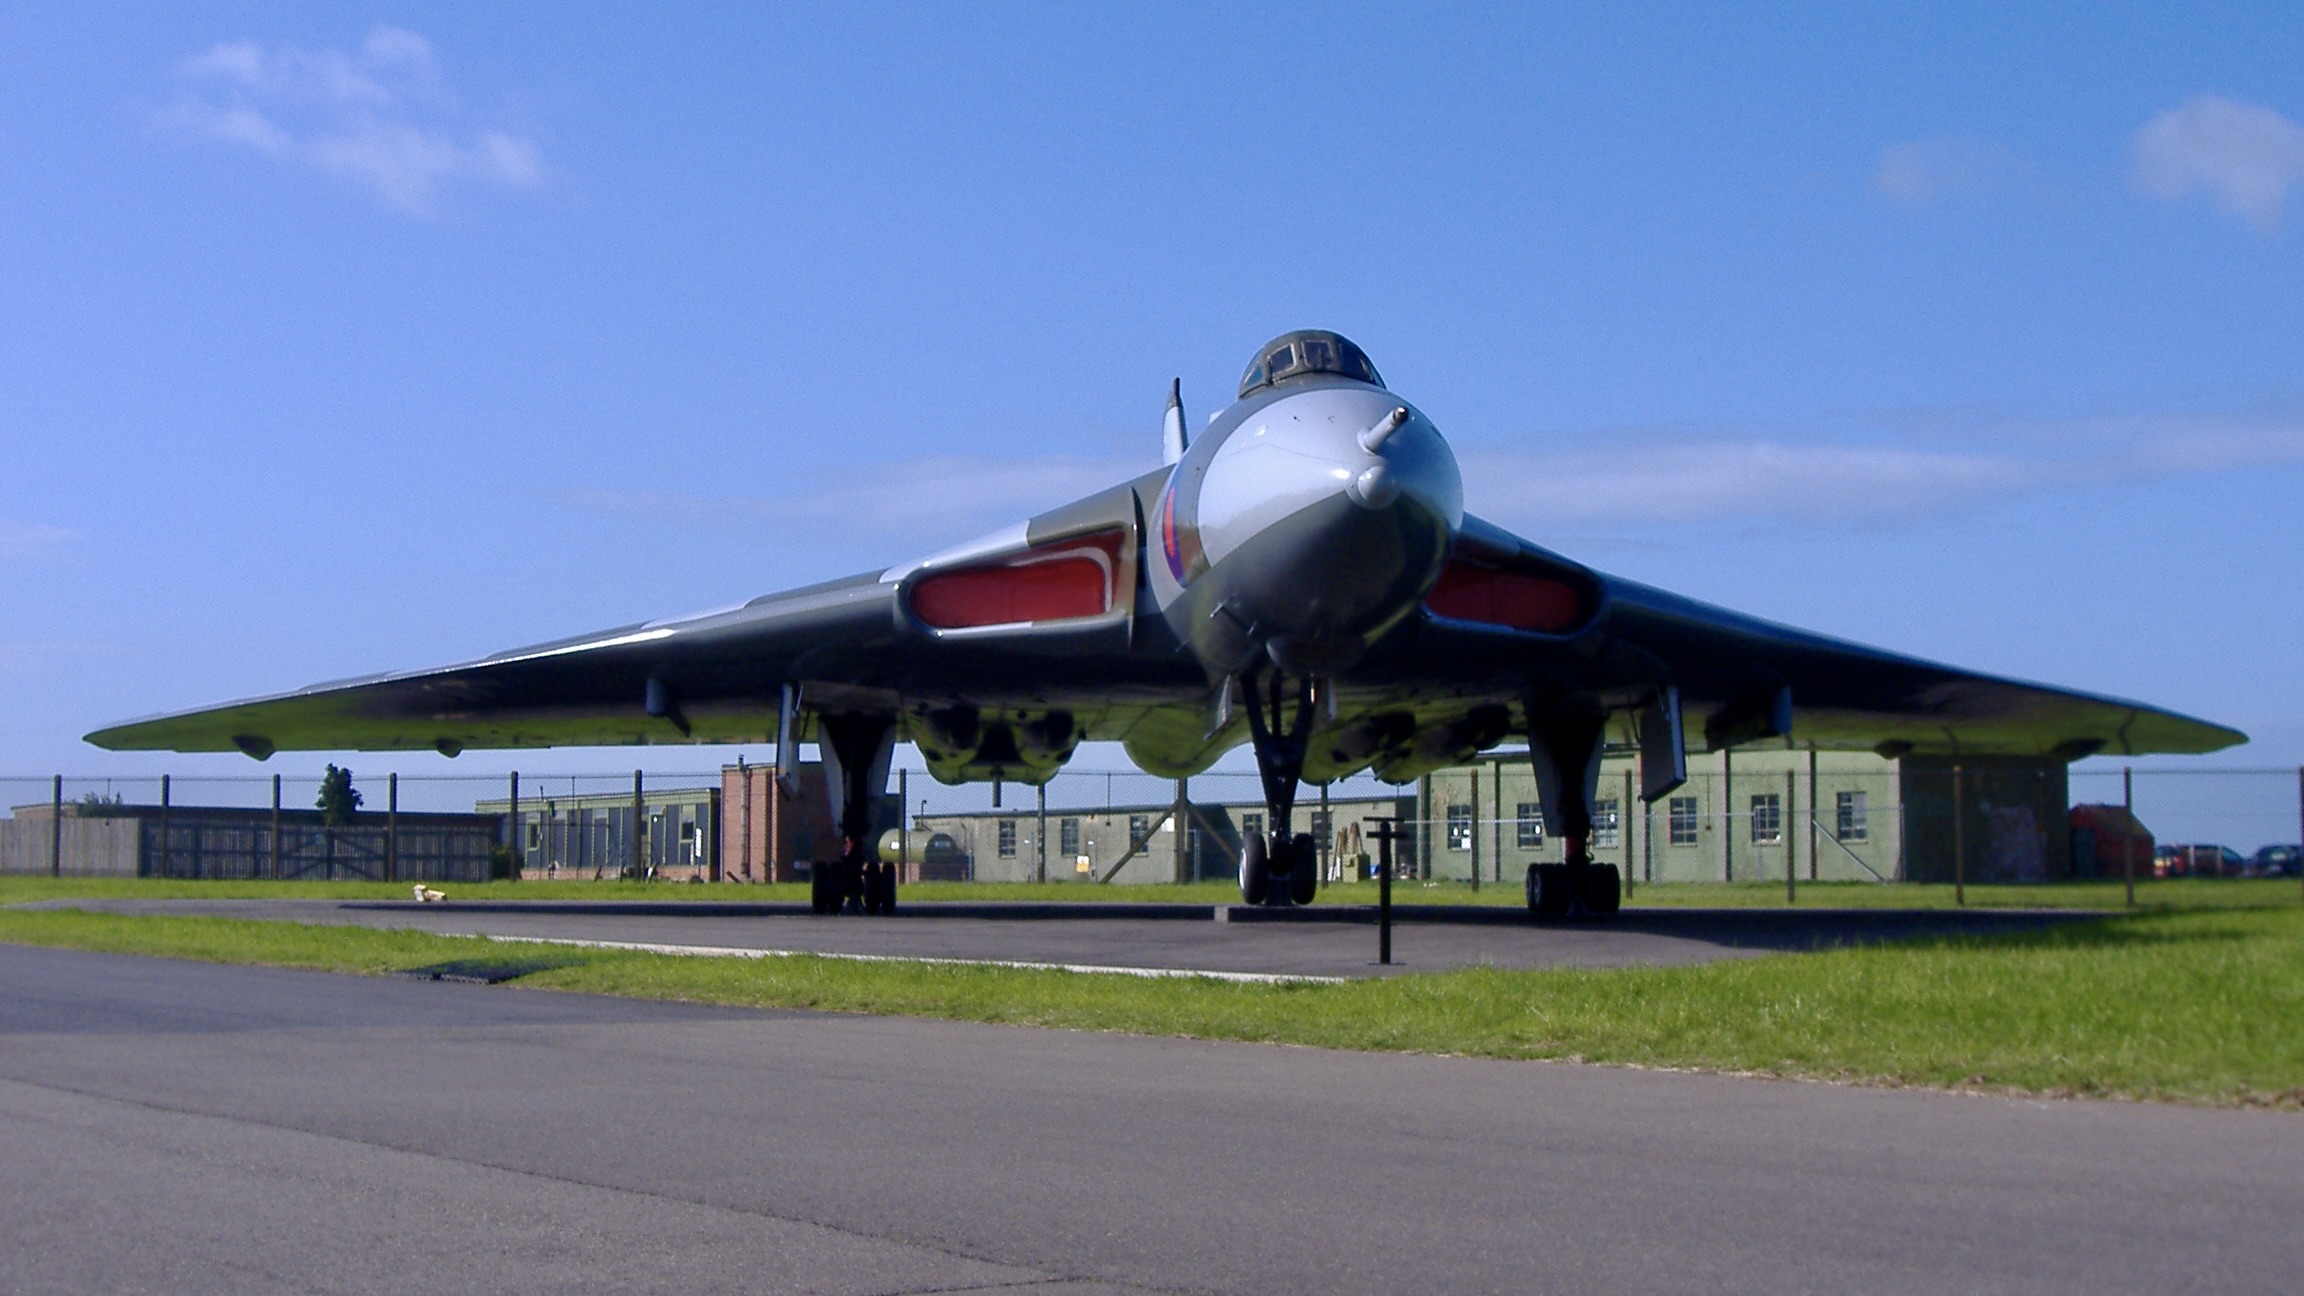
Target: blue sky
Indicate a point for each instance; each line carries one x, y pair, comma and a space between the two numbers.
340, 339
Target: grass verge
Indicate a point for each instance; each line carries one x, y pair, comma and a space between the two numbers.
2197, 1007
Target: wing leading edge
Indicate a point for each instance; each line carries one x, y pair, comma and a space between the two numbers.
717, 679
1005, 624
1740, 678
1849, 696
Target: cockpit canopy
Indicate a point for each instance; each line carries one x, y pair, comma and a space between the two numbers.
1307, 351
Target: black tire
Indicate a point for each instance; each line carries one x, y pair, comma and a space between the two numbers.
1304, 872
1255, 871
888, 890
1548, 893
1603, 890
818, 886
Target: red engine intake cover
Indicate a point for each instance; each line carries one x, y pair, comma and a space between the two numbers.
1469, 592
1064, 581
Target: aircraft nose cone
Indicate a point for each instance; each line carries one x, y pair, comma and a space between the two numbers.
1327, 518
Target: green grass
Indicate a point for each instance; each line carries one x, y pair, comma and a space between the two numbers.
2196, 1006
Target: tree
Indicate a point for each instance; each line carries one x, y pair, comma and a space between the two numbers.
92, 805
339, 801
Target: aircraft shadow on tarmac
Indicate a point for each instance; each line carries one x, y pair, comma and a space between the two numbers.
1784, 930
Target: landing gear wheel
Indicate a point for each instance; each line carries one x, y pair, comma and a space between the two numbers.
871, 887
819, 889
1255, 871
887, 890
1603, 890
1548, 893
1304, 870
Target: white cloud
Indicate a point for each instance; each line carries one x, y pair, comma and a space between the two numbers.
1684, 480
381, 119
24, 540
1947, 166
912, 504
2245, 156
1943, 463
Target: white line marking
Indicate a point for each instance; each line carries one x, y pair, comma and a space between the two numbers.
736, 951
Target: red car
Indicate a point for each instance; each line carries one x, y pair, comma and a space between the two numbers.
2198, 861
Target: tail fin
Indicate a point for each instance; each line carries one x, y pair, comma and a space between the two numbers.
1172, 426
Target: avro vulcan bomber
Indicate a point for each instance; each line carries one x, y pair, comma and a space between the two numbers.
1301, 576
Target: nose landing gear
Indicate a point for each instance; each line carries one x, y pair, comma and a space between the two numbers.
1280, 867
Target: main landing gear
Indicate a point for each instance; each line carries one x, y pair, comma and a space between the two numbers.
856, 749
852, 886
1279, 867
1565, 753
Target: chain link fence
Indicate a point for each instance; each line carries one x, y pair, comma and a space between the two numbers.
1838, 817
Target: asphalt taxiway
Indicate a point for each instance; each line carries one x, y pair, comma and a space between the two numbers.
184, 1126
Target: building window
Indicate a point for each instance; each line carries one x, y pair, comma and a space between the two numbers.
1767, 818
1848, 820
1680, 821
1607, 827
1139, 828
1251, 825
1529, 830
1007, 839
1068, 837
1459, 828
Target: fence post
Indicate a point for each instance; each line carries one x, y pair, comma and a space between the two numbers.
1496, 833
714, 865
1727, 816
903, 839
1784, 829
275, 827
1959, 842
164, 825
2128, 844
1472, 842
1815, 847
635, 850
1040, 837
392, 826
744, 820
512, 828
56, 829
1623, 827
2300, 816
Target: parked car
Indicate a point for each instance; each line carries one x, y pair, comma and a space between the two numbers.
2198, 861
2277, 861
